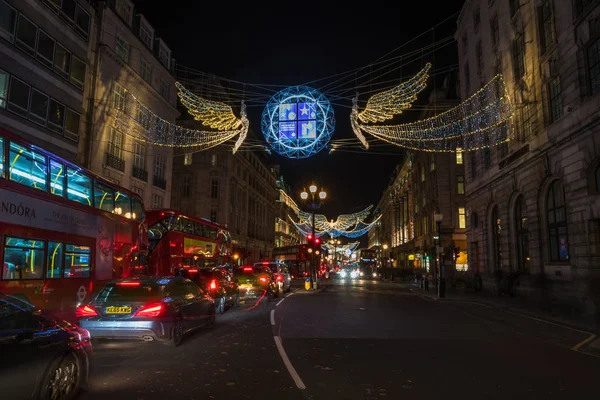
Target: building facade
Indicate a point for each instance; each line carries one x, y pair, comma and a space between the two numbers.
533, 205
128, 57
235, 190
286, 233
45, 71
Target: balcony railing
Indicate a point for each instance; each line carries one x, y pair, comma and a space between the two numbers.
140, 173
115, 162
159, 182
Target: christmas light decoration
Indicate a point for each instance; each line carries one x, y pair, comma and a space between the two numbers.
341, 248
134, 119
482, 120
298, 122
349, 225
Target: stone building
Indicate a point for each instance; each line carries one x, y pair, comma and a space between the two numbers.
533, 205
286, 233
128, 57
45, 72
237, 191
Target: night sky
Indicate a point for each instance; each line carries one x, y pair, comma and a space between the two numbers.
292, 43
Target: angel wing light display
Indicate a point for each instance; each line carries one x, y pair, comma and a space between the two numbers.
482, 120
136, 120
349, 225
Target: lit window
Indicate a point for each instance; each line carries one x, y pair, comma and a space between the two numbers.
118, 97
55, 260
122, 204
27, 167
72, 122
103, 197
187, 159
462, 219
56, 116
461, 184
78, 68
77, 261
79, 186
62, 61
115, 143
459, 156
23, 259
57, 178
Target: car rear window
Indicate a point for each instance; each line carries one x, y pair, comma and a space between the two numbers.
141, 292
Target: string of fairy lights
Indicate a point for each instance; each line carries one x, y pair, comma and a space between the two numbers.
348, 225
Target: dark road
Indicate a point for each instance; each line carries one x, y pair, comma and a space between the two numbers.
362, 340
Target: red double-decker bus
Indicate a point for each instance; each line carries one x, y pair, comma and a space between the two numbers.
177, 241
62, 228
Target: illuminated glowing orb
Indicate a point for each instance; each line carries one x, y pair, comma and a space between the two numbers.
298, 122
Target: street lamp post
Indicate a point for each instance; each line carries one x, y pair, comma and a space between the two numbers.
314, 205
439, 254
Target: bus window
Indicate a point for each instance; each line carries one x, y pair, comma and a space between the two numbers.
79, 186
55, 260
23, 259
27, 167
77, 261
103, 197
1, 157
57, 178
137, 209
122, 204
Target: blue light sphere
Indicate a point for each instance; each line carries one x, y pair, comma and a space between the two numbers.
298, 122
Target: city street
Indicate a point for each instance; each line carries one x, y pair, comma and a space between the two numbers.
362, 340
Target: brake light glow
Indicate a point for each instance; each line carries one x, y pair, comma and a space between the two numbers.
263, 279
85, 312
265, 263
247, 269
279, 278
193, 270
128, 284
213, 284
150, 310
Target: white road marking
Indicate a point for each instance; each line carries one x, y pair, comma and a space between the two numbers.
273, 317
289, 294
288, 364
279, 302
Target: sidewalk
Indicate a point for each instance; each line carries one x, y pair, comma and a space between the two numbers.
504, 302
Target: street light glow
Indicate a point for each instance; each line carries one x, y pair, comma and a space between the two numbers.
304, 195
322, 195
313, 189
385, 246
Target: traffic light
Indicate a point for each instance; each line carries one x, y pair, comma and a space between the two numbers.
309, 238
317, 241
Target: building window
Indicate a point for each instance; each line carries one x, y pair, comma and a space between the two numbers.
164, 89
56, 116
27, 33
186, 186
557, 223
546, 19
593, 56
125, 10
214, 160
459, 156
554, 94
521, 223
462, 218
157, 201
513, 6
38, 110
139, 155
159, 166
143, 116
476, 18
45, 49
213, 215
460, 184
139, 191
18, 97
146, 71
527, 121
146, 35
8, 21
118, 97
122, 49
3, 88
187, 158
519, 55
115, 143
495, 31
72, 123
82, 22
164, 55
467, 84
214, 189
77, 76
62, 61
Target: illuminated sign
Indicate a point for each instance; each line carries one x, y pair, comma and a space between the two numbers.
200, 247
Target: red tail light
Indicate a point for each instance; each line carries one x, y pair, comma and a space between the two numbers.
128, 284
85, 312
247, 269
279, 278
193, 270
150, 310
263, 279
213, 284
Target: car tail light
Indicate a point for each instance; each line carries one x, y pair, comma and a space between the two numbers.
279, 278
150, 310
263, 279
85, 312
193, 270
247, 269
213, 284
128, 284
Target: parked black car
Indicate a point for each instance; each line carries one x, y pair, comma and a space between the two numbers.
148, 309
41, 356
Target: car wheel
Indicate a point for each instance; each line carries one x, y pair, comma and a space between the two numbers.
63, 380
177, 333
221, 306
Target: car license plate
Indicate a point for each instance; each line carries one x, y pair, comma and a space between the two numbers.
246, 285
118, 310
